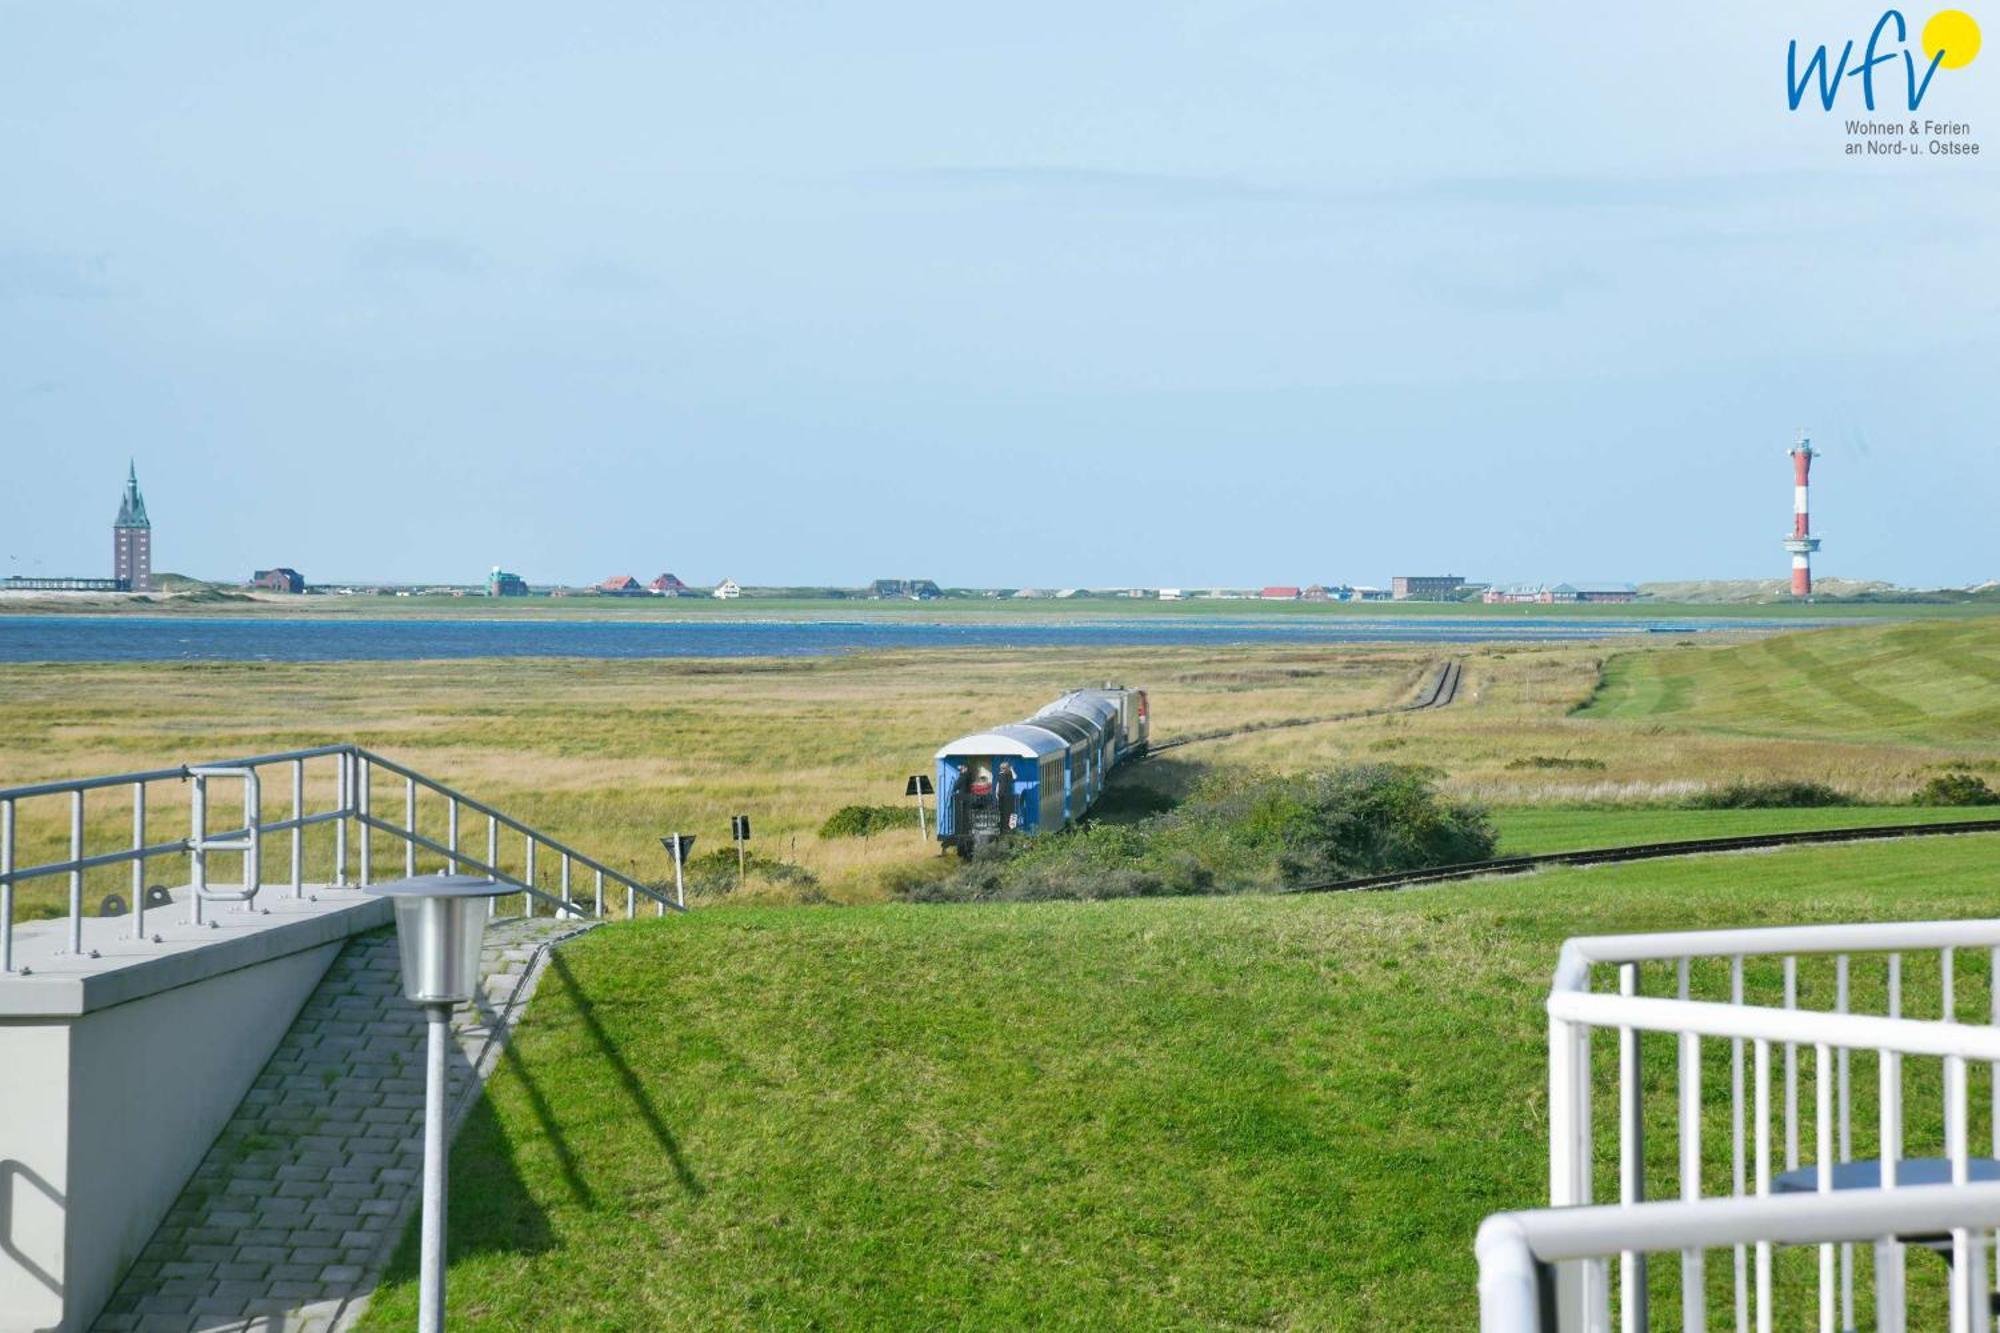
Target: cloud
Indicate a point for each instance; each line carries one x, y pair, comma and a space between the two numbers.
29, 275
1077, 185
608, 277
1522, 288
396, 253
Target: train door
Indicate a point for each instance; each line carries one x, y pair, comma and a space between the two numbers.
976, 802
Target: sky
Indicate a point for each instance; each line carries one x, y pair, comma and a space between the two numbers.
1158, 294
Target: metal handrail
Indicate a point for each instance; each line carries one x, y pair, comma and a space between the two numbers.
472, 803
352, 806
1516, 1251
1765, 1045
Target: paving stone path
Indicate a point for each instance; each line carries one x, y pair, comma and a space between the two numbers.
290, 1220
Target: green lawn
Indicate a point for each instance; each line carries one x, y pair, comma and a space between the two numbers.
1935, 682
1252, 1111
1530, 829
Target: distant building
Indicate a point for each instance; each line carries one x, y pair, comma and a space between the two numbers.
1030, 592
620, 585
667, 586
132, 539
727, 589
1425, 587
1279, 593
500, 583
31, 583
917, 590
1362, 592
1594, 592
1515, 593
278, 580
1317, 593
1546, 594
1170, 594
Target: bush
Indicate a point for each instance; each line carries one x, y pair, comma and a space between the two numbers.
714, 874
1957, 789
865, 821
1235, 833
1768, 796
1553, 761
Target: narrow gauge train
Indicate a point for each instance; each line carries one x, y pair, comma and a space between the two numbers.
1037, 775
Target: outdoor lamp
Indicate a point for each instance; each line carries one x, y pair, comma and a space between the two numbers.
440, 924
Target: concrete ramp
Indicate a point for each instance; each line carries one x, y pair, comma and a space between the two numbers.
290, 1219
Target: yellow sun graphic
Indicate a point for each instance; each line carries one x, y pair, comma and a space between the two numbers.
1953, 32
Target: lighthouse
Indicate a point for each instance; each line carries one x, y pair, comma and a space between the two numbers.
1801, 543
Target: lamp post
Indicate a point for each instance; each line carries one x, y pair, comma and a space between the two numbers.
440, 924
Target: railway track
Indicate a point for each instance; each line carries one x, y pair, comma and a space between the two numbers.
1438, 692
1516, 865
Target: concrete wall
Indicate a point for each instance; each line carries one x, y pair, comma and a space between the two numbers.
105, 1114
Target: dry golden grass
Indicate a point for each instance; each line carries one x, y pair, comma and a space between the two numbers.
607, 755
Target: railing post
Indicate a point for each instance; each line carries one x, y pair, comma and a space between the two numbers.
1631, 1160
76, 876
565, 881
253, 819
197, 847
1694, 1268
139, 862
528, 899
410, 826
298, 829
600, 894
343, 791
364, 775
6, 886
1582, 1296
452, 836
493, 843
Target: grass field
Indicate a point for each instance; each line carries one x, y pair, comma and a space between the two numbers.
608, 755
1244, 1112
1529, 828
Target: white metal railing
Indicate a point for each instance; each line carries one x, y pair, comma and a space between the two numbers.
350, 813
1815, 984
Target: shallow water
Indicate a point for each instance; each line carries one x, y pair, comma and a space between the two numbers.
127, 638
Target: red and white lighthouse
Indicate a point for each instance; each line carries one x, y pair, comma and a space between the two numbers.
1801, 543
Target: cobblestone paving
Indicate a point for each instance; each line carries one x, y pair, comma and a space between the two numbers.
290, 1219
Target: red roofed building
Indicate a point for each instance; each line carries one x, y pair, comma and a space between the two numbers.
620, 585
1276, 594
667, 586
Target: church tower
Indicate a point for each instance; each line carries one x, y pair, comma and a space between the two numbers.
132, 539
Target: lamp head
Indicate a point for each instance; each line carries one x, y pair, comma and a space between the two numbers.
440, 924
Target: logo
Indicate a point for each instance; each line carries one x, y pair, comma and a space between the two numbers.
1949, 40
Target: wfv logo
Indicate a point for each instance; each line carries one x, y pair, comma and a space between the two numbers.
1950, 40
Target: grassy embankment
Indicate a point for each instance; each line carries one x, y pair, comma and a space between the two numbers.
1244, 1112
607, 755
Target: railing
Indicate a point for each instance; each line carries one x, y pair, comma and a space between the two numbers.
351, 856
1702, 989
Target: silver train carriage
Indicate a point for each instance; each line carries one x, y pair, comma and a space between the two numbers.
1039, 774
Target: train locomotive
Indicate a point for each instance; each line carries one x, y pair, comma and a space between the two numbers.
1039, 774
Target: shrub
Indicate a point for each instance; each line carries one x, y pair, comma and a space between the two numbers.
1957, 789
1552, 761
1235, 833
713, 874
1768, 796
865, 821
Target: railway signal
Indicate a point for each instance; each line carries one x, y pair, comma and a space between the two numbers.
679, 846
739, 829
919, 786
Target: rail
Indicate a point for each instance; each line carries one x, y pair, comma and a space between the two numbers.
345, 802
1886, 993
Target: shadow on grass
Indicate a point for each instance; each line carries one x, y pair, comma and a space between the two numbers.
642, 1102
1143, 790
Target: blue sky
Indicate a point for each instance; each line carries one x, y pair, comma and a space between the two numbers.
1121, 293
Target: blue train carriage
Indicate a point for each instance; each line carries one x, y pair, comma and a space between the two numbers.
1038, 775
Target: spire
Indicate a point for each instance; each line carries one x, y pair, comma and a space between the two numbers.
132, 509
